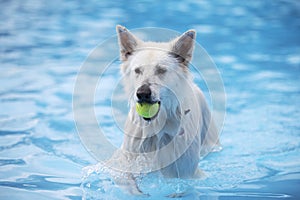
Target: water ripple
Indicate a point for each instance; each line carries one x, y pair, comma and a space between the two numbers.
38, 182
12, 162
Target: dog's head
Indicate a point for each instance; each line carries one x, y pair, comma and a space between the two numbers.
155, 72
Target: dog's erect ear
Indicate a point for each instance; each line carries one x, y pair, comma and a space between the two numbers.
127, 42
183, 46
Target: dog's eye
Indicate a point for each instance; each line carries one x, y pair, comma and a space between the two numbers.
160, 70
137, 70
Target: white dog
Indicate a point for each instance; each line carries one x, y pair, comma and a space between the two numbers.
172, 141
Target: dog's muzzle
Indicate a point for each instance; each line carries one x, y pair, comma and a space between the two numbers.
144, 95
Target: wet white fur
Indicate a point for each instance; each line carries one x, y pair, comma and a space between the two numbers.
184, 116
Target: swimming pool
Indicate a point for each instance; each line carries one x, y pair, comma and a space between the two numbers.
255, 46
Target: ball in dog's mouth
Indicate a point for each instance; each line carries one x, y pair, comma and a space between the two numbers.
147, 110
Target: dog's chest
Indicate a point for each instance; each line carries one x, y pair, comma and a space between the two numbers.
163, 137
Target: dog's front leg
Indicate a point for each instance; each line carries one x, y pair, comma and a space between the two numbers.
128, 183
123, 173
128, 166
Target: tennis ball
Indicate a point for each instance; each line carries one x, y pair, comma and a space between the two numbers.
147, 110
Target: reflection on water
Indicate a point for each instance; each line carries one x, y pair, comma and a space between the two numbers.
255, 45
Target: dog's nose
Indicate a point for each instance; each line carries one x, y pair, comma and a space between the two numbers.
144, 93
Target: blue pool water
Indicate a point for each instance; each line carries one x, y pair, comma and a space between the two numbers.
255, 44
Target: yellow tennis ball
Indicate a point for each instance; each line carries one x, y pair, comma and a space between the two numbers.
147, 110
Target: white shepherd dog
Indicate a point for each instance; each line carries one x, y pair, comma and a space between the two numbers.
172, 141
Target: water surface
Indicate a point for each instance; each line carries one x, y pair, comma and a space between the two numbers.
254, 44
